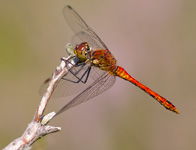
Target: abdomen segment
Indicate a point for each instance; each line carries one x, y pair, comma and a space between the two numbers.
167, 104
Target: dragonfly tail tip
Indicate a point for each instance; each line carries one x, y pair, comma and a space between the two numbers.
176, 111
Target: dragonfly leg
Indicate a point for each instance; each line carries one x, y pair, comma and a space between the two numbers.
67, 60
79, 79
81, 65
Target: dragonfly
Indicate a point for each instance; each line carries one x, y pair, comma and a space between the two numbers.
97, 68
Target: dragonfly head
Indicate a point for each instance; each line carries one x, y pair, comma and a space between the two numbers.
82, 51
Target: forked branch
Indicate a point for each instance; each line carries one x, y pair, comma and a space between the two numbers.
38, 126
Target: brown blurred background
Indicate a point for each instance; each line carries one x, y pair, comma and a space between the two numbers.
154, 40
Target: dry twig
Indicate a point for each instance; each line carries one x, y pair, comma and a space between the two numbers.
38, 126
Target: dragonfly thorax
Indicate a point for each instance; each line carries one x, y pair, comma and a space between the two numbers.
82, 51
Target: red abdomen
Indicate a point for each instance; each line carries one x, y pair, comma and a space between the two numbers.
167, 104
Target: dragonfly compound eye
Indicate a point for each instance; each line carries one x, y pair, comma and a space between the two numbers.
87, 47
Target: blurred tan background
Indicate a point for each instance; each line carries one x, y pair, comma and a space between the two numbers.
154, 40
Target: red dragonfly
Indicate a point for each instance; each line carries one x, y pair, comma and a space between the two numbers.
96, 66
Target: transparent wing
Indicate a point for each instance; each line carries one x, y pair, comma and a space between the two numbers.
99, 80
67, 88
81, 29
103, 83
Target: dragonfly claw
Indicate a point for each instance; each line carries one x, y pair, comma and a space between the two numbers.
68, 61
